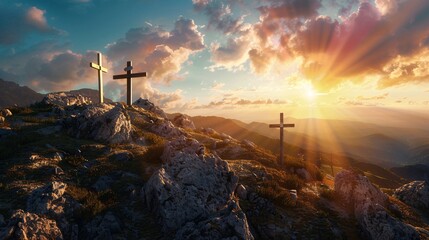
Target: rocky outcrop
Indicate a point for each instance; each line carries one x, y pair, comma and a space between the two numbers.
5, 113
24, 225
65, 99
103, 227
166, 129
148, 106
415, 194
183, 121
48, 200
367, 203
193, 194
103, 122
354, 189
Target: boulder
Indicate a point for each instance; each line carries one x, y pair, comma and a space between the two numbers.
51, 201
64, 99
354, 189
2, 120
103, 122
48, 200
378, 224
5, 113
415, 194
183, 121
24, 225
166, 129
368, 204
148, 106
193, 190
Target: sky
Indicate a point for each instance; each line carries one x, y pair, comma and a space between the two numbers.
244, 59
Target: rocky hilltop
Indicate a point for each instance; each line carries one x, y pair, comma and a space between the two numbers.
72, 169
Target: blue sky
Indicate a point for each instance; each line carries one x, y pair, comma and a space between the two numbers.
245, 59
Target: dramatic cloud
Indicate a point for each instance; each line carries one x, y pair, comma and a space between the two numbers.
289, 9
16, 23
232, 55
220, 16
49, 67
159, 52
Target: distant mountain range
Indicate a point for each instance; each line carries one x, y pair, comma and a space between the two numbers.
12, 94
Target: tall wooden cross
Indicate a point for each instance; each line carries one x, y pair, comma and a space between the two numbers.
129, 75
281, 126
100, 71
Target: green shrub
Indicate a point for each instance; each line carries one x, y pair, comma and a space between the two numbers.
154, 153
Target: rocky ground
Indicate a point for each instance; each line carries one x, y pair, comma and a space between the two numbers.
71, 169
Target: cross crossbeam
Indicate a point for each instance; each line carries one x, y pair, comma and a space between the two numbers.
129, 76
282, 126
100, 71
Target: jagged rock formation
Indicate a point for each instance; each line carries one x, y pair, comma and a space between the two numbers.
24, 225
415, 194
148, 106
183, 121
65, 99
368, 205
102, 122
193, 194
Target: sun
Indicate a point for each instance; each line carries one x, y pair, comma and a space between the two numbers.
310, 93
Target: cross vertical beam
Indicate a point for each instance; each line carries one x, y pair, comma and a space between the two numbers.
129, 75
281, 126
100, 71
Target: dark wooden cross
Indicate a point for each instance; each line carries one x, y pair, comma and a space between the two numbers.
281, 126
100, 69
129, 77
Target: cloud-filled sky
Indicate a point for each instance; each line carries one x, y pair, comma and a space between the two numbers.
226, 57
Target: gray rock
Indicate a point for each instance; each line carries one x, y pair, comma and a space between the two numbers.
48, 200
368, 204
2, 120
378, 224
415, 194
183, 121
24, 225
102, 122
192, 186
354, 189
148, 106
241, 192
64, 99
166, 129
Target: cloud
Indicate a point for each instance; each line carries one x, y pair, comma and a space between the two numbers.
232, 55
161, 53
378, 97
16, 23
217, 85
289, 9
48, 66
231, 102
220, 16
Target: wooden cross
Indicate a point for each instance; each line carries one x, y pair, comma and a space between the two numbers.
129, 77
281, 126
100, 69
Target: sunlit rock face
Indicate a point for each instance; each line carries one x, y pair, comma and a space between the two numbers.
183, 121
64, 99
193, 194
148, 106
103, 122
25, 225
415, 194
368, 205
